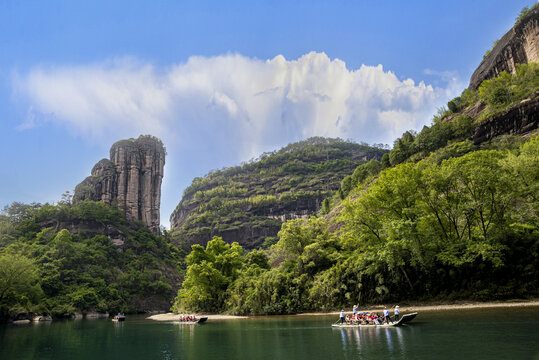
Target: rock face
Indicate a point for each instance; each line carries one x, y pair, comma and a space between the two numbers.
520, 45
130, 180
519, 119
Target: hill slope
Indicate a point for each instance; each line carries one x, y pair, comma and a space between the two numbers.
65, 259
249, 203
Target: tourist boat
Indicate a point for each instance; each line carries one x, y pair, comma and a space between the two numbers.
118, 318
406, 318
197, 321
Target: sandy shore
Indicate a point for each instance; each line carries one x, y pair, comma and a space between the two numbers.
403, 307
175, 317
438, 307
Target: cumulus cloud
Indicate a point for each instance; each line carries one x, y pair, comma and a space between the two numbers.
256, 103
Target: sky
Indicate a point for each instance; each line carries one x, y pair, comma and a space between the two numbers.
220, 82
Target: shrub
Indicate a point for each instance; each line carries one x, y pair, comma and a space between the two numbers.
455, 105
525, 11
499, 96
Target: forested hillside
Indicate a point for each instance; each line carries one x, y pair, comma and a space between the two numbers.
248, 203
462, 228
47, 269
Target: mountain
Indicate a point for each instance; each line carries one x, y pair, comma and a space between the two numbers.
249, 203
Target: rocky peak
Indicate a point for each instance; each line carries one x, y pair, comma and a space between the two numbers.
131, 179
518, 46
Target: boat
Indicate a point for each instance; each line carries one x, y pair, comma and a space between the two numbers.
197, 321
118, 318
406, 318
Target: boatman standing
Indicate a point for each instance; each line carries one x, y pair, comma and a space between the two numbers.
397, 312
355, 310
342, 316
386, 315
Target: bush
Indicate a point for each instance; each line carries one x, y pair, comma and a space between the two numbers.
455, 105
506, 90
525, 11
499, 96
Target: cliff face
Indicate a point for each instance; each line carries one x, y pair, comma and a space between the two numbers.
518, 46
131, 180
519, 119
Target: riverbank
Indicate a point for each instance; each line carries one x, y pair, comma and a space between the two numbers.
465, 305
469, 305
175, 317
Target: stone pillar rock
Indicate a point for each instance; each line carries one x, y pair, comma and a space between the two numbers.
131, 178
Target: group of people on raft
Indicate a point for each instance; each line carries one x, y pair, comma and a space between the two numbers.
187, 317
366, 318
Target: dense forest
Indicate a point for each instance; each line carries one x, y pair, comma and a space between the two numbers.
47, 269
464, 228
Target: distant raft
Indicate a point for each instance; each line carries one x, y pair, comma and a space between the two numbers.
118, 318
193, 322
403, 320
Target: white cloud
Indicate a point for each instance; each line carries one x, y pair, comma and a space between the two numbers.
258, 103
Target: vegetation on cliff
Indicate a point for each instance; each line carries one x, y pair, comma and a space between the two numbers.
46, 269
251, 201
525, 11
452, 125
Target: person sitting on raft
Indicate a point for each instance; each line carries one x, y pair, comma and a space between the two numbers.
366, 319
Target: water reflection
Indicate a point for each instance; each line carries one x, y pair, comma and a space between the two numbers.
365, 341
41, 323
118, 327
186, 330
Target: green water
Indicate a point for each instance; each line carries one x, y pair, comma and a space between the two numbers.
479, 334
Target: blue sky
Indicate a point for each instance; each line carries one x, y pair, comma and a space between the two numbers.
221, 81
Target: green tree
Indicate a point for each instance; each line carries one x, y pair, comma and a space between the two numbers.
19, 285
209, 273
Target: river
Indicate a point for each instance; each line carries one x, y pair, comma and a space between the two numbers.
511, 333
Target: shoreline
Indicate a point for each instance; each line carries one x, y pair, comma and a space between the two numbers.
175, 317
465, 305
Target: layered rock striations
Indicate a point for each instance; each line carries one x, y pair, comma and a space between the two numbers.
519, 119
518, 46
130, 180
